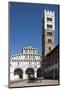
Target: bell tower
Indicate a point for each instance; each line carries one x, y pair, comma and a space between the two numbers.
48, 32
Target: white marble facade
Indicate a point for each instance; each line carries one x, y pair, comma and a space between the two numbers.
28, 59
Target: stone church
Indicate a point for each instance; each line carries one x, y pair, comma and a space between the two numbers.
24, 64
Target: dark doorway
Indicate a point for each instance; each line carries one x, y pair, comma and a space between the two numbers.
19, 72
39, 73
30, 72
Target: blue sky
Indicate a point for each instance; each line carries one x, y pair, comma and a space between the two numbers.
25, 25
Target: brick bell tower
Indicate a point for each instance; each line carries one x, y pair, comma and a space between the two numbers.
48, 30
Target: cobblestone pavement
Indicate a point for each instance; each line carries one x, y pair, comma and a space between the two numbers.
25, 83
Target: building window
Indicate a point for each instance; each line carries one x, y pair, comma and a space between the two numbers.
31, 60
49, 48
24, 60
49, 40
26, 56
33, 57
30, 50
33, 51
49, 19
29, 56
26, 50
49, 33
49, 26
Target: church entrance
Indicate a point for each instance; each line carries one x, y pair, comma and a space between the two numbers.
30, 72
19, 72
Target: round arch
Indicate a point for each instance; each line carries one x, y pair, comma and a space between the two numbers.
19, 72
30, 72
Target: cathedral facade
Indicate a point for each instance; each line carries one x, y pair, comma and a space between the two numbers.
25, 64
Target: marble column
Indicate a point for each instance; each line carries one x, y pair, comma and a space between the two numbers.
35, 73
24, 75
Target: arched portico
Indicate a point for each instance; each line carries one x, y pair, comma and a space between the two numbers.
30, 72
18, 72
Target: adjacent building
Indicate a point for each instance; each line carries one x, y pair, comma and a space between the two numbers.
51, 64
